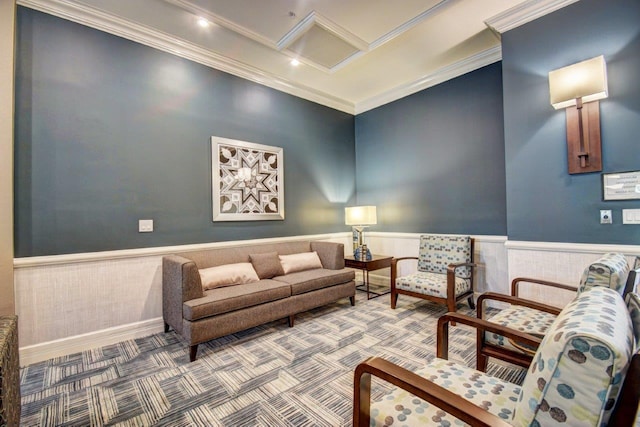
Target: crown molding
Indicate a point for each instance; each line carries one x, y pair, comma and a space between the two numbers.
479, 60
148, 36
100, 20
523, 13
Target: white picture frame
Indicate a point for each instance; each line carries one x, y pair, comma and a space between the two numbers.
247, 181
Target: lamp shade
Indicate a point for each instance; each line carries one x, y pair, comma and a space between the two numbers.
586, 80
360, 215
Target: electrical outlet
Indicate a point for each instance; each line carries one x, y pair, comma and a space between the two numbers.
145, 226
605, 217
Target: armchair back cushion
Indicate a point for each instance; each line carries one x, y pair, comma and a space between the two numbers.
576, 373
438, 251
611, 271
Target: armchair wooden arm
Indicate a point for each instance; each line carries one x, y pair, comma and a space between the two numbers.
481, 325
516, 282
422, 387
493, 296
418, 386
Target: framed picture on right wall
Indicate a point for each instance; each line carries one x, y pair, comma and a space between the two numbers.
621, 185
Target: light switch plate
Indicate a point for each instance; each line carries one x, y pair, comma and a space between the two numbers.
631, 216
605, 216
145, 226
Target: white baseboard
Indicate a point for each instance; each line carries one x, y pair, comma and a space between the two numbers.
78, 343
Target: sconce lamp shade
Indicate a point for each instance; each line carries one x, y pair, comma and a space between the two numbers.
360, 215
586, 80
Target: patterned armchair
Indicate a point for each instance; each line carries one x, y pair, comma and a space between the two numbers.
445, 271
582, 364
534, 318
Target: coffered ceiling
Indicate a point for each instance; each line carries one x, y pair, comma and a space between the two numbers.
354, 55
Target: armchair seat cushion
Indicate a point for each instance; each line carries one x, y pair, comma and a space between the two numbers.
398, 407
433, 284
525, 319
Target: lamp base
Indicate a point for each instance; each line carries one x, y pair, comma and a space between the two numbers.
362, 253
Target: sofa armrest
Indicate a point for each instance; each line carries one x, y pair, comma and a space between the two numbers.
331, 254
180, 283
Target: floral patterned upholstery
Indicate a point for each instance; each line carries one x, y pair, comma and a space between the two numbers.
523, 319
398, 407
633, 304
428, 283
438, 251
578, 369
611, 270
573, 380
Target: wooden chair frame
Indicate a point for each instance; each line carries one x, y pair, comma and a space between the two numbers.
624, 413
451, 300
484, 350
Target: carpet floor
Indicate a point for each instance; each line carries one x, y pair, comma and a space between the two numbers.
271, 375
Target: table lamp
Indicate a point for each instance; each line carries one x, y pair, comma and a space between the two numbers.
360, 217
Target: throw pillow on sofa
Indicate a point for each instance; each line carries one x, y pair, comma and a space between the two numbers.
228, 275
300, 262
267, 265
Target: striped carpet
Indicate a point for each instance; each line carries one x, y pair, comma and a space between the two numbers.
270, 375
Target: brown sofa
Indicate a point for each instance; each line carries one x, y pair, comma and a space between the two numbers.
201, 315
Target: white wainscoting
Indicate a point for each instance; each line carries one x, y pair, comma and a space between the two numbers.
71, 303
557, 262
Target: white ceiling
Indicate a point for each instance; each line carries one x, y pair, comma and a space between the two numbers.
355, 54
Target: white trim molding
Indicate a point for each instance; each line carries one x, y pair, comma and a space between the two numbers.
523, 13
584, 248
75, 344
449, 72
148, 36
38, 261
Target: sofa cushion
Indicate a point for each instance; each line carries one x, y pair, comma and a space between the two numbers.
267, 265
228, 275
310, 280
300, 262
223, 300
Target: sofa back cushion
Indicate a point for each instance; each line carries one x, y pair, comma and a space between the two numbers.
267, 264
239, 273
219, 256
577, 371
610, 271
438, 251
300, 262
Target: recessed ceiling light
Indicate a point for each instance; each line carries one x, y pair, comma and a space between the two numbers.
295, 62
203, 22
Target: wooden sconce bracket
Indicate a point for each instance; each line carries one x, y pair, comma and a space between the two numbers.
584, 148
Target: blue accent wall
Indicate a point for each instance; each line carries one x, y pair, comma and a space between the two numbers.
433, 162
109, 131
544, 202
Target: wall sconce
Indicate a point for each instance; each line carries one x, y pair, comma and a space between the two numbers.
578, 88
359, 217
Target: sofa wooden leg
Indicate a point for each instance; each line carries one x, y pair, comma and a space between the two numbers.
166, 327
353, 300
291, 320
193, 352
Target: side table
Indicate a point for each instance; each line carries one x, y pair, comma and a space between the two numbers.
375, 263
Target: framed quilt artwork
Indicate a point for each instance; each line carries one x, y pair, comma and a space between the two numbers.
247, 181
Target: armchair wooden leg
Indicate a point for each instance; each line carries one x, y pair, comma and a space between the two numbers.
394, 300
451, 307
472, 305
193, 352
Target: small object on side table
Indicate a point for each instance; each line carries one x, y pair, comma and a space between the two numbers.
362, 253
